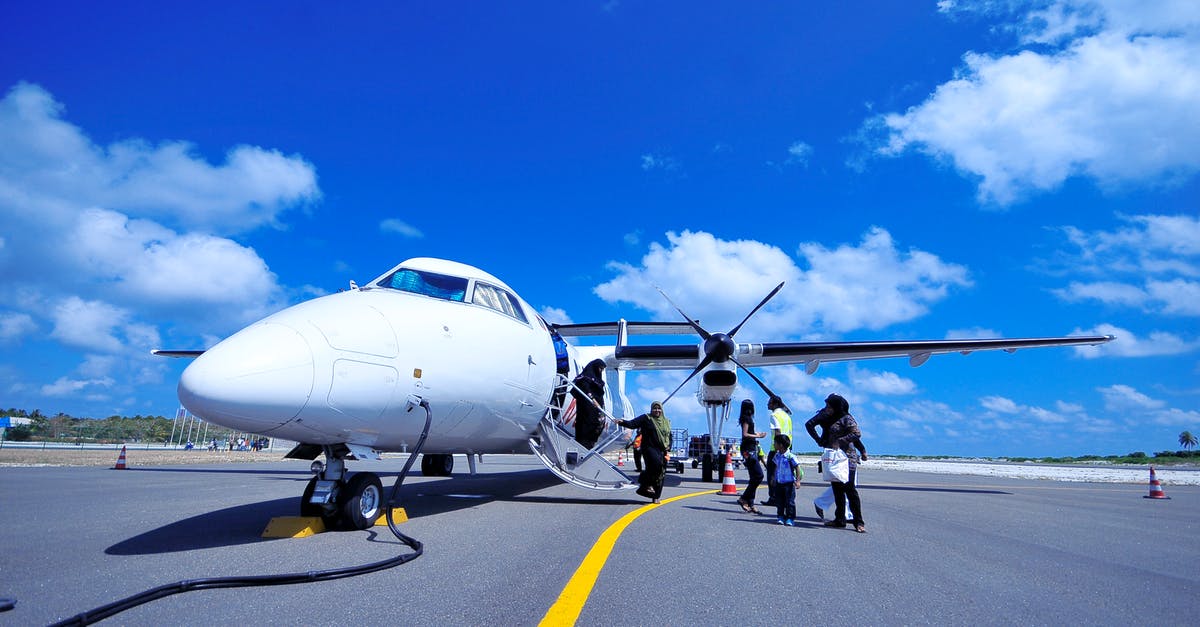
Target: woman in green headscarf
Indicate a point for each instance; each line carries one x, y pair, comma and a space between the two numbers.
656, 440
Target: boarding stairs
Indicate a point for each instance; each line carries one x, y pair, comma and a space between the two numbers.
557, 449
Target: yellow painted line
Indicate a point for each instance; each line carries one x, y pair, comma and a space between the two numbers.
566, 609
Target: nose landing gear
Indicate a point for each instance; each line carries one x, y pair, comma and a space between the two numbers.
343, 501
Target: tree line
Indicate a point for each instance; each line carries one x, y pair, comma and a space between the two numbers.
113, 429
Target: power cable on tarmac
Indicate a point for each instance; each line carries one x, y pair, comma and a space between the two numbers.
188, 585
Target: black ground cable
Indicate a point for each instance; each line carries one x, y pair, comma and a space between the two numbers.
212, 583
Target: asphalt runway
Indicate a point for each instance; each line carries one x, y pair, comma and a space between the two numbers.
501, 546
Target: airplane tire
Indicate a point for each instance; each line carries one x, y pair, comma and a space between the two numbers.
363, 501
306, 508
426, 466
442, 465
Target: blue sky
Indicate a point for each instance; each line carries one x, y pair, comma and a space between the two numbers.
921, 170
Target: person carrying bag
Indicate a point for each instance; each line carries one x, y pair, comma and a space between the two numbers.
835, 466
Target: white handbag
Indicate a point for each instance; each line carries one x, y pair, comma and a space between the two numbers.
835, 466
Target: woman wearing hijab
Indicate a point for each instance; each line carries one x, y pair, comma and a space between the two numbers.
835, 408
841, 432
589, 400
655, 430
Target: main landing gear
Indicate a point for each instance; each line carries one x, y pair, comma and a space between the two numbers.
342, 500
437, 465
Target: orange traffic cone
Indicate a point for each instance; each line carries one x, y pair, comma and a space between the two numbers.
1156, 491
728, 486
620, 458
120, 460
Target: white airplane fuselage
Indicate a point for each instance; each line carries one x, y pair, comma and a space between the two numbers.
348, 368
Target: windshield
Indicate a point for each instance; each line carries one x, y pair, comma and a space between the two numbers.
432, 284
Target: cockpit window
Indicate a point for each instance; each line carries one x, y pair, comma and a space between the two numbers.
498, 299
428, 283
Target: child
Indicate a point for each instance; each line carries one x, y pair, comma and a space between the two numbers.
787, 479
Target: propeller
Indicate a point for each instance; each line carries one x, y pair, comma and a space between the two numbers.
719, 347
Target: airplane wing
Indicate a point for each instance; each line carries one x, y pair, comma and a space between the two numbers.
633, 328
684, 357
187, 354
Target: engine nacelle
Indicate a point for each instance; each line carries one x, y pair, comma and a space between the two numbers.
717, 383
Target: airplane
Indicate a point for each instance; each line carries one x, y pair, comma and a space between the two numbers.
341, 374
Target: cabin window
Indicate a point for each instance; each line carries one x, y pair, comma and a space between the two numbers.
495, 298
432, 284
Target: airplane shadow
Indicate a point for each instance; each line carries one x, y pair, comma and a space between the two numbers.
244, 524
232, 526
305, 473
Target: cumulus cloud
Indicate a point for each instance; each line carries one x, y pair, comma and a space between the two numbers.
88, 324
132, 233
1104, 90
882, 383
868, 285
400, 227
14, 325
554, 315
49, 163
1127, 344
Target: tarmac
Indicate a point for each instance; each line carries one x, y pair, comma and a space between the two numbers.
504, 547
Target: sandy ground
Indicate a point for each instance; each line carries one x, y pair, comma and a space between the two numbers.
1189, 475
10, 456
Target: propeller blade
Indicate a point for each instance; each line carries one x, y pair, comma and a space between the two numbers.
755, 310
695, 325
703, 364
756, 379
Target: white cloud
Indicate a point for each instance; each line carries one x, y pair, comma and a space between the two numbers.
88, 324
1126, 400
999, 404
1123, 398
129, 233
799, 153
14, 325
1117, 101
400, 227
69, 387
46, 162
1159, 255
883, 383
663, 163
1127, 344
1107, 292
972, 333
1177, 297
869, 285
1176, 417
554, 315
1064, 412
147, 263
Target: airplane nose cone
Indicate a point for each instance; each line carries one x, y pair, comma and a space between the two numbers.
255, 380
